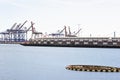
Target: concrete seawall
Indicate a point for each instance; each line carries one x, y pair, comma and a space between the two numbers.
92, 68
76, 42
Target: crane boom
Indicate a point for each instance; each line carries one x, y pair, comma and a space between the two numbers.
17, 27
62, 29
78, 31
28, 29
13, 26
22, 25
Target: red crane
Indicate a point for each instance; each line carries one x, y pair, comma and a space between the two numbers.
34, 32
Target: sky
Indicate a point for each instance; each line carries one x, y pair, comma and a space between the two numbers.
95, 17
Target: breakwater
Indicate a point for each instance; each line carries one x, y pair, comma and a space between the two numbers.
92, 68
102, 42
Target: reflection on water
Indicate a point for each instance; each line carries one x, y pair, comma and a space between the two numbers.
48, 63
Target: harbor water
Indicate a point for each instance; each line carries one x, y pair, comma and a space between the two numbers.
19, 62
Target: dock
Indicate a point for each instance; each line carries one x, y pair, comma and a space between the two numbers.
94, 42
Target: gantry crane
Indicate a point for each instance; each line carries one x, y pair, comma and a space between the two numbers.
59, 33
35, 34
15, 33
72, 35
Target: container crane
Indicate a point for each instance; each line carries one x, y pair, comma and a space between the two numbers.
7, 35
16, 33
21, 32
10, 31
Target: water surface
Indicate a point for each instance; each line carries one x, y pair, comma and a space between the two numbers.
48, 63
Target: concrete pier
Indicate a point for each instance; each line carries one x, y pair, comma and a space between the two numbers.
92, 68
102, 42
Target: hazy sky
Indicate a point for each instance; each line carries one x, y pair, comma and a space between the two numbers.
96, 17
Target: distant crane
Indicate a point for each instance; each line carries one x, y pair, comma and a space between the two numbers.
64, 29
34, 32
59, 33
21, 32
15, 33
18, 33
66, 34
72, 35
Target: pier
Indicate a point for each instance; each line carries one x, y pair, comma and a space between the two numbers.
95, 42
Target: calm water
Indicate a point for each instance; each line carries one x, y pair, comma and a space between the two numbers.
48, 63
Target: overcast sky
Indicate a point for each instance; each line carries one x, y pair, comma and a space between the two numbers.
96, 17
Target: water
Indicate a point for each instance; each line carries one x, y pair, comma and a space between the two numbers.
48, 63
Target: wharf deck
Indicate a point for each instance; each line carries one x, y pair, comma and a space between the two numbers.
103, 42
